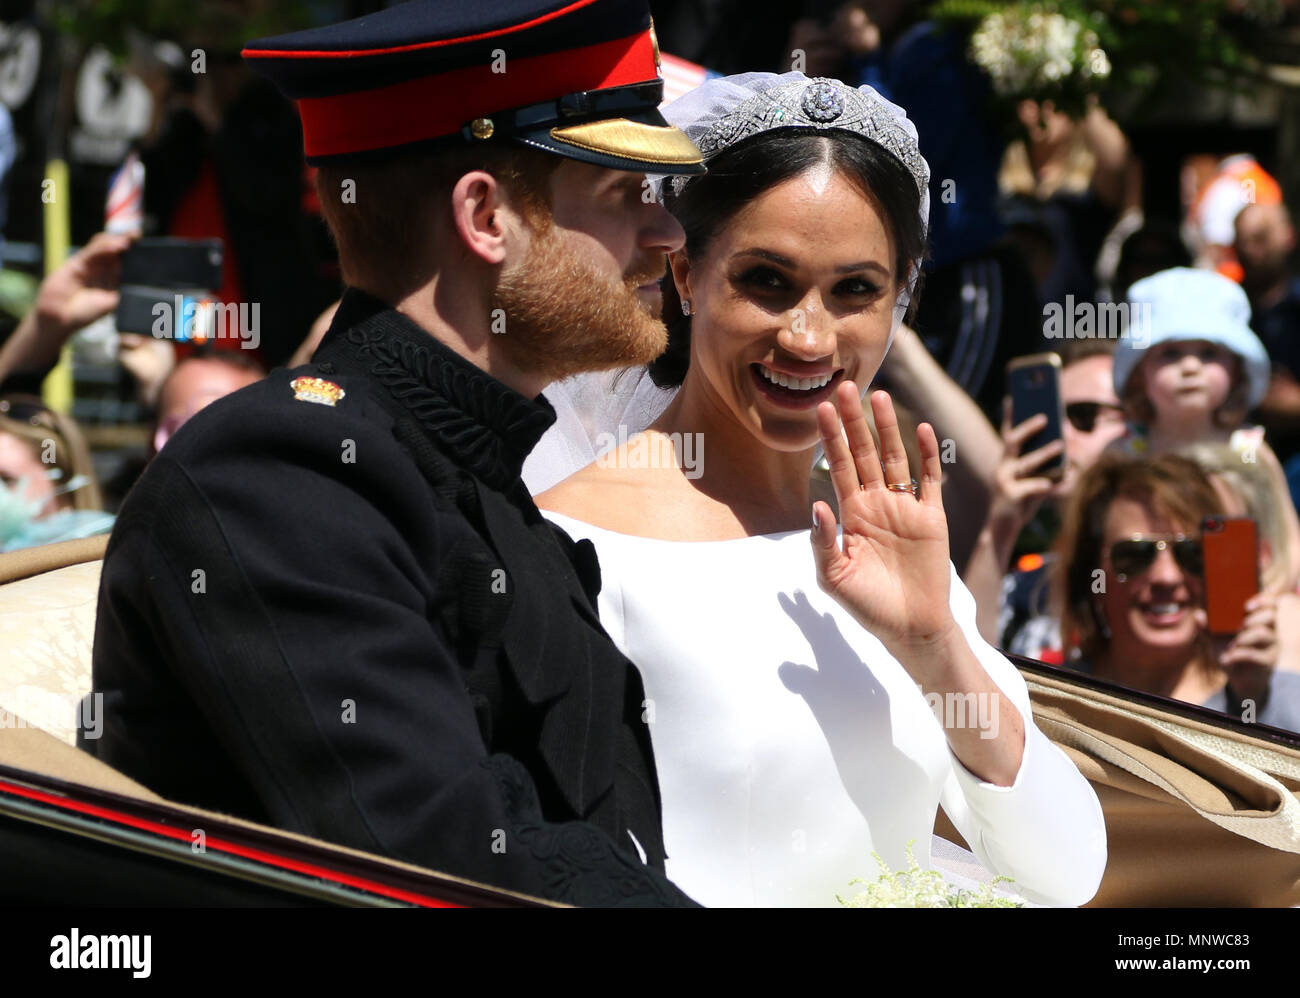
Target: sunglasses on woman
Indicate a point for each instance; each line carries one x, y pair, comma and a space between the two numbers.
1137, 554
1083, 415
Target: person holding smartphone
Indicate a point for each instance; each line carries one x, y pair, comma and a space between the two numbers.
1013, 599
1247, 491
1132, 591
79, 291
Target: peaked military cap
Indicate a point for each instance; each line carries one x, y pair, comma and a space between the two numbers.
579, 78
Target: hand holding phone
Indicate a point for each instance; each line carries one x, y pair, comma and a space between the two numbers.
1250, 657
1034, 384
1230, 555
1020, 483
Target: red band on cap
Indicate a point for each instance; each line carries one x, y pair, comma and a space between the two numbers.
433, 106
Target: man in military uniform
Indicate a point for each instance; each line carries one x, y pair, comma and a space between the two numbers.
330, 603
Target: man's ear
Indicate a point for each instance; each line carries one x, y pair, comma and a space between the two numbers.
681, 268
476, 206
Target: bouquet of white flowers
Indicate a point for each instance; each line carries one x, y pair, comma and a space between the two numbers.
917, 888
1070, 51
1037, 53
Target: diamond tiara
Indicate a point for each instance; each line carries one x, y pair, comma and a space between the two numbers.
819, 103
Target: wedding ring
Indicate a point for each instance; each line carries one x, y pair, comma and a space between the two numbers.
909, 487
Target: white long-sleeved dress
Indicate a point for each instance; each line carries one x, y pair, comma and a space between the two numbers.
790, 744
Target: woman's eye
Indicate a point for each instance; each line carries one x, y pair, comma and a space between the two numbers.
763, 277
857, 286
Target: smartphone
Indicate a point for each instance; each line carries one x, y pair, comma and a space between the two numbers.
166, 313
1230, 547
1034, 384
174, 263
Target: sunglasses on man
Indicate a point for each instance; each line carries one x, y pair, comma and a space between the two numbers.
1083, 415
1136, 555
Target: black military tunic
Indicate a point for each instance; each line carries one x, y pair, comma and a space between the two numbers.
331, 605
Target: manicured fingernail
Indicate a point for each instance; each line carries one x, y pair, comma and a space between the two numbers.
816, 519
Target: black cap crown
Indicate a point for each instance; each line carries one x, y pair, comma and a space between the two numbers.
577, 78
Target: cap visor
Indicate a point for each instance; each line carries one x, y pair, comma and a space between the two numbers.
623, 144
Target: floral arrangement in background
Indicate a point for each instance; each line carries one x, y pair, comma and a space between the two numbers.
917, 888
1070, 51
1030, 50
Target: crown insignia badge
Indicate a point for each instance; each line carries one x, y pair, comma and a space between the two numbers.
316, 390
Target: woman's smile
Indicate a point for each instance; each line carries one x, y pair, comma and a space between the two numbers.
1165, 612
1162, 619
789, 390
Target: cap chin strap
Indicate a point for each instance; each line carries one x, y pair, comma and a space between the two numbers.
571, 109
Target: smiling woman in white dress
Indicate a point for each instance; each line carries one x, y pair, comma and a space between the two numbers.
813, 698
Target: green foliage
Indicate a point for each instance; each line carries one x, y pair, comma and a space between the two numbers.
917, 888
217, 27
17, 292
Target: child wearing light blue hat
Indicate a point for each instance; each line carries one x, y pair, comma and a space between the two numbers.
1190, 369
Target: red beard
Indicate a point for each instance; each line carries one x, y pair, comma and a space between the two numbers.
562, 317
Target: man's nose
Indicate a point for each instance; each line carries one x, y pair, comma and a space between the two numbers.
1072, 437
660, 230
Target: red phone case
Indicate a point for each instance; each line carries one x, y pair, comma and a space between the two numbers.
1231, 553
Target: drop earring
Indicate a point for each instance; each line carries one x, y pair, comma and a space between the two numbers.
686, 307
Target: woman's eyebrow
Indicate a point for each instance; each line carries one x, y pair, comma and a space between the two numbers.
767, 255
783, 261
864, 265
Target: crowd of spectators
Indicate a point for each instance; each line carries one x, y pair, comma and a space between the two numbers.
1099, 568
